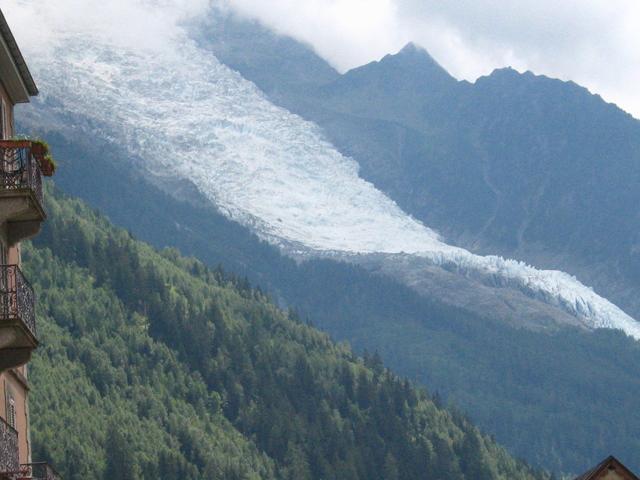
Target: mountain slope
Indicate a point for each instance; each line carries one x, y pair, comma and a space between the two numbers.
515, 164
439, 345
100, 376
211, 380
259, 164
388, 86
537, 408
245, 46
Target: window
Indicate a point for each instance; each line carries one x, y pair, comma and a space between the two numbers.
11, 412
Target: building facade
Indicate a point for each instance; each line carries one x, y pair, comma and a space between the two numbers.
21, 217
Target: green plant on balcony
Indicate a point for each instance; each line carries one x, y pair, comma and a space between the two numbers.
42, 153
48, 165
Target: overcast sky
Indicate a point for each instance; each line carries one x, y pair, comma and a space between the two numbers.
593, 42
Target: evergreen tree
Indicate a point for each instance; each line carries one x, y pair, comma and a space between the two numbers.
390, 470
296, 464
120, 459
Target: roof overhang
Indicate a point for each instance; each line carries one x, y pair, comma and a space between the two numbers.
15, 75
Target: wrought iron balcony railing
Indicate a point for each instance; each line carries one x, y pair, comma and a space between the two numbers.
9, 462
17, 299
19, 169
39, 471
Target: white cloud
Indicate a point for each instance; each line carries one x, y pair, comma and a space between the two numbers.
346, 32
145, 24
593, 42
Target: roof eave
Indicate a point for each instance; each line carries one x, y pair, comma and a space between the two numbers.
27, 87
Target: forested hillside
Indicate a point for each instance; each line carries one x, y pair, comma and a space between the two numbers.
154, 366
546, 396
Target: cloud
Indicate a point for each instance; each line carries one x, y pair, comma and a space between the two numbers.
39, 25
346, 32
596, 43
593, 42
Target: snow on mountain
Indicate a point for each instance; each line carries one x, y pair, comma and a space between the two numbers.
142, 83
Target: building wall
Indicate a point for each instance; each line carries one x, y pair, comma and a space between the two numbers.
7, 132
13, 384
612, 475
7, 106
14, 392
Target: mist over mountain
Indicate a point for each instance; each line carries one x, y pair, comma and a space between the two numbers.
225, 164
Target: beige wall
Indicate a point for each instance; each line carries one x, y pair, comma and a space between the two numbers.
13, 384
612, 476
13, 253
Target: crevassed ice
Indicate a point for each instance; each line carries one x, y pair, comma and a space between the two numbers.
188, 116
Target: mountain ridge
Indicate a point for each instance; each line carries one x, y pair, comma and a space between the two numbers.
445, 175
259, 164
461, 355
181, 132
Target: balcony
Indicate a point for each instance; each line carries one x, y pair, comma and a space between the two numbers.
21, 199
9, 463
10, 467
39, 471
17, 318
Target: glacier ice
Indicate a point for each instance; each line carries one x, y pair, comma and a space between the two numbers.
186, 115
